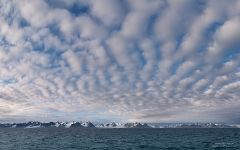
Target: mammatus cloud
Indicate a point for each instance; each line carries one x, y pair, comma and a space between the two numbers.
175, 60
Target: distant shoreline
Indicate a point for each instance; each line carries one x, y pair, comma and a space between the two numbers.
112, 125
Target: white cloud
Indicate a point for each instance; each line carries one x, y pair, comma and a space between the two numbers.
73, 61
28, 11
89, 29
228, 35
111, 13
147, 60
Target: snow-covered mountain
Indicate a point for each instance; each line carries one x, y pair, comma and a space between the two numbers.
110, 125
35, 124
87, 124
74, 124
123, 125
136, 125
191, 125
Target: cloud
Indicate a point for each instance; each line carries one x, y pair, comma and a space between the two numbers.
73, 61
228, 34
108, 12
175, 60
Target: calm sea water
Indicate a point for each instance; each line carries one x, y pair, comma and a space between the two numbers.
113, 139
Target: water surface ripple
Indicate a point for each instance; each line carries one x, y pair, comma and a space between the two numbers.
118, 139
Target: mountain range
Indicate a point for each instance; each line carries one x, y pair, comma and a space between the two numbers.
75, 124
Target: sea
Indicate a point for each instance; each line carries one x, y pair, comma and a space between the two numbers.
119, 139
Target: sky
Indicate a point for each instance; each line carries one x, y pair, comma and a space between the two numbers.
120, 60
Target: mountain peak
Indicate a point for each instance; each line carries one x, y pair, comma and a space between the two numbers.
88, 124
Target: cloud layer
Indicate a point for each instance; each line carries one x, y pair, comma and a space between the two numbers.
175, 60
